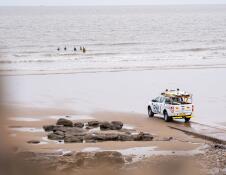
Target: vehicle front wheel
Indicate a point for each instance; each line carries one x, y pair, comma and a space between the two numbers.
150, 113
187, 120
166, 117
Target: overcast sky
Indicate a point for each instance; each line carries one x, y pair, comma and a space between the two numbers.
106, 2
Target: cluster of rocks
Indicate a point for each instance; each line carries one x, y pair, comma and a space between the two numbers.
81, 132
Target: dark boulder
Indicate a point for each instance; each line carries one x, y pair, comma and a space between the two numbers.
53, 136
105, 126
110, 137
90, 138
33, 141
64, 122
125, 137
79, 124
116, 125
94, 137
59, 128
61, 133
48, 128
143, 137
68, 129
73, 139
75, 131
99, 137
94, 123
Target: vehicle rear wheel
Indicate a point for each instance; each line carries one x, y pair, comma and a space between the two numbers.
187, 120
150, 113
166, 117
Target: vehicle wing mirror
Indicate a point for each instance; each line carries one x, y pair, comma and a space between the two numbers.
154, 100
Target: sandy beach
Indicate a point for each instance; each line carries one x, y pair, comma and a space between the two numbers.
168, 144
27, 107
76, 81
155, 126
127, 91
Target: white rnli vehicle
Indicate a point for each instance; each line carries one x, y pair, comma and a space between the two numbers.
172, 104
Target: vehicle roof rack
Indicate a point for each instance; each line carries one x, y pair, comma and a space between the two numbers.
176, 93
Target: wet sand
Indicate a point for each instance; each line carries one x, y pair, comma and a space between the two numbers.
27, 106
154, 156
155, 126
127, 91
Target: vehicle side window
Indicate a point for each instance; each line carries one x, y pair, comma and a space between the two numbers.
162, 99
157, 99
167, 101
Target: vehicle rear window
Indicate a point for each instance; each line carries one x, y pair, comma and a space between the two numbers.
177, 99
168, 101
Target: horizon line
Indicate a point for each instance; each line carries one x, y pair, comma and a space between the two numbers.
92, 5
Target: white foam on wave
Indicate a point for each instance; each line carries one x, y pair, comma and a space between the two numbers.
24, 119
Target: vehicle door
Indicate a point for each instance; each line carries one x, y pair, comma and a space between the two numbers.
155, 105
161, 105
167, 104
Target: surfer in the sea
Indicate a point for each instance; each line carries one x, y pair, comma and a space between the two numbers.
58, 49
65, 48
75, 49
84, 50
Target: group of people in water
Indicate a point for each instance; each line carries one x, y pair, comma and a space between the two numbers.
83, 49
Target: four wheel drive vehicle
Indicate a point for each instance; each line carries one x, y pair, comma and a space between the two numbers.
173, 104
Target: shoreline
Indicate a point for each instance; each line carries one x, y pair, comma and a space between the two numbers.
116, 70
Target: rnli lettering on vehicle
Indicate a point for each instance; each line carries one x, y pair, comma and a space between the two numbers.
168, 107
155, 107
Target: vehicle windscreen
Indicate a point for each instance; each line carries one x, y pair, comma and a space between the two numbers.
179, 100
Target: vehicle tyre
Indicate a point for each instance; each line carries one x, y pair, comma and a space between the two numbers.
187, 120
166, 117
150, 113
